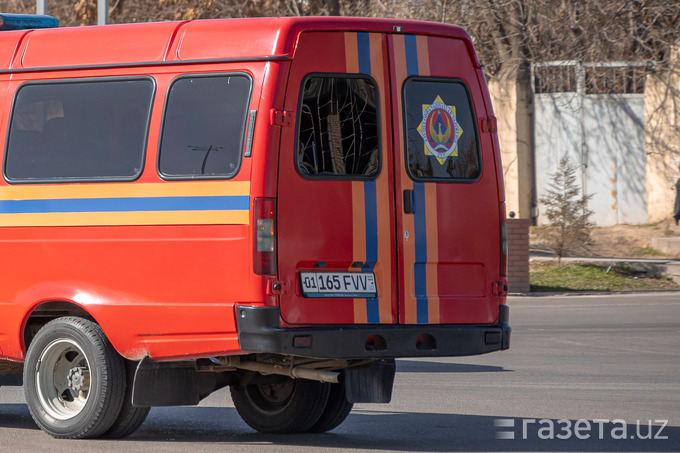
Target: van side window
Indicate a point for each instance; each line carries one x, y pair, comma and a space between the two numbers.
441, 135
203, 127
81, 130
338, 128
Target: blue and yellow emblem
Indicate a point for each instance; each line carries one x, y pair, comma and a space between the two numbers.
440, 130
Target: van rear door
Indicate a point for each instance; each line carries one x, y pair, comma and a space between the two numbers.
336, 214
447, 202
388, 207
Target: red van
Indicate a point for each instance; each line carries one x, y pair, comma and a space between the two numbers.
278, 205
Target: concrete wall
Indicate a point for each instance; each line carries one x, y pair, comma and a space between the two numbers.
662, 139
512, 100
512, 97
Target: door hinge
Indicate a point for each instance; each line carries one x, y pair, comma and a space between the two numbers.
489, 125
500, 288
277, 288
281, 118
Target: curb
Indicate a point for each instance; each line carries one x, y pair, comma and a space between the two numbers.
592, 293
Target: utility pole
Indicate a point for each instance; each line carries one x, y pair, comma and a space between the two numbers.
102, 10
41, 7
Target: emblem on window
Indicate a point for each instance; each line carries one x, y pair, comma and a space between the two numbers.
440, 130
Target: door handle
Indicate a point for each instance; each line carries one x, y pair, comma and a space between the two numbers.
408, 202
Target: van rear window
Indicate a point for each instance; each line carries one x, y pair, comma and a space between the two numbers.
82, 130
441, 135
338, 128
204, 126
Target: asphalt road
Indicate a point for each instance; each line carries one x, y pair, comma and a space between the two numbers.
584, 373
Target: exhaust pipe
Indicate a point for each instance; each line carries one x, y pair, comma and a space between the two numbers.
297, 372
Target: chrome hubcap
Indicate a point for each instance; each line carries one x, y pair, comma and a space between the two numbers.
63, 379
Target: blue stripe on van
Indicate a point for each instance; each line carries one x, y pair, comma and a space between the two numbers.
371, 215
419, 269
411, 48
420, 210
132, 204
364, 49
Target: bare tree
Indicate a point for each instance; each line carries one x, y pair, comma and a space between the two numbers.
504, 31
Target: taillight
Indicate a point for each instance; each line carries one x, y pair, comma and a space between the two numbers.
504, 241
264, 241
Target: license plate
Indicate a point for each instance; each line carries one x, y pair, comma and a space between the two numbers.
338, 284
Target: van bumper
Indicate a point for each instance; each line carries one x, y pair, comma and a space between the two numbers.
259, 330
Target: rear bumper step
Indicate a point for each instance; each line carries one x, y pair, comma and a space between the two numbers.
259, 331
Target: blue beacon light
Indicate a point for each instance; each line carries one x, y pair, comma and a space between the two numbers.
26, 21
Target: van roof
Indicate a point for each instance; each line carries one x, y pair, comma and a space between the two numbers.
199, 40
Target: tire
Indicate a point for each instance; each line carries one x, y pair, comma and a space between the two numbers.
130, 417
292, 406
336, 411
74, 381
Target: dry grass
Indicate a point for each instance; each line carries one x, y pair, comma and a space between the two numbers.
619, 241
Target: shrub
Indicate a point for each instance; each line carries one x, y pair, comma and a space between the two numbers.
569, 227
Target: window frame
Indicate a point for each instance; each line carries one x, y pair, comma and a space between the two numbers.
89, 179
243, 132
328, 177
478, 147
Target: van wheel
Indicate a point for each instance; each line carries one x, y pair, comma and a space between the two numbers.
336, 411
286, 406
74, 381
130, 417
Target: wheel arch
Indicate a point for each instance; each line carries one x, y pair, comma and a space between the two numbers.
53, 300
47, 311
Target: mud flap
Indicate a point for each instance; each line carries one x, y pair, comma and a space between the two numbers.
371, 384
165, 384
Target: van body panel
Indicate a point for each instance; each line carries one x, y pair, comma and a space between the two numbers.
8, 48
266, 139
492, 136
150, 44
208, 39
159, 303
